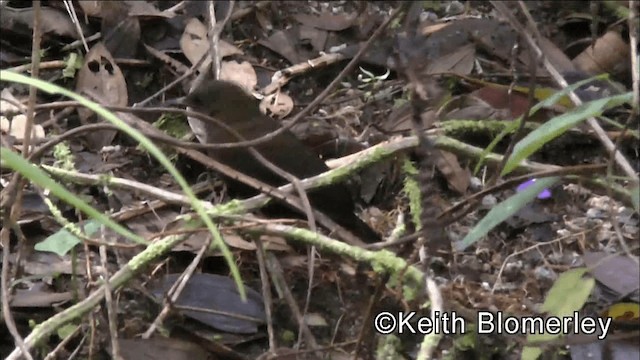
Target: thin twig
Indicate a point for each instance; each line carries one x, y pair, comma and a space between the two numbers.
16, 184
267, 297
111, 310
177, 288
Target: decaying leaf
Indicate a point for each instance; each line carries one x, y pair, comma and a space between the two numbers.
101, 76
278, 105
460, 61
457, 177
51, 20
219, 295
120, 31
194, 44
282, 42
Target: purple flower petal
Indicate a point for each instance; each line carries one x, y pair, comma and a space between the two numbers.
525, 185
544, 194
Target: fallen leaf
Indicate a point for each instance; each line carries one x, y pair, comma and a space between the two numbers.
51, 20
100, 75
278, 104
218, 294
195, 44
457, 177
242, 74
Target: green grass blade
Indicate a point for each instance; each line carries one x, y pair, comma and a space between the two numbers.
504, 210
558, 126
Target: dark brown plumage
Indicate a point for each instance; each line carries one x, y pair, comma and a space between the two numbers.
232, 105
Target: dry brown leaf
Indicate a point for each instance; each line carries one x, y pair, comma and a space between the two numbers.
91, 7
17, 125
51, 20
457, 177
279, 105
282, 42
316, 37
120, 31
608, 55
194, 44
458, 62
242, 74
100, 75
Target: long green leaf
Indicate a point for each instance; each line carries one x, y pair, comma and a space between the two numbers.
504, 210
547, 102
558, 126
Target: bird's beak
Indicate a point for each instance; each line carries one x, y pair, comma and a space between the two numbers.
175, 101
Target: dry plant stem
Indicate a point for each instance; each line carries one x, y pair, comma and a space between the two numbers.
277, 276
153, 205
74, 19
311, 255
215, 29
592, 122
16, 184
61, 64
40, 150
55, 353
177, 288
78, 43
282, 77
214, 35
111, 310
266, 293
142, 188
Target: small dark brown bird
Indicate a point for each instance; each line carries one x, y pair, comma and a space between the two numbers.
230, 104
